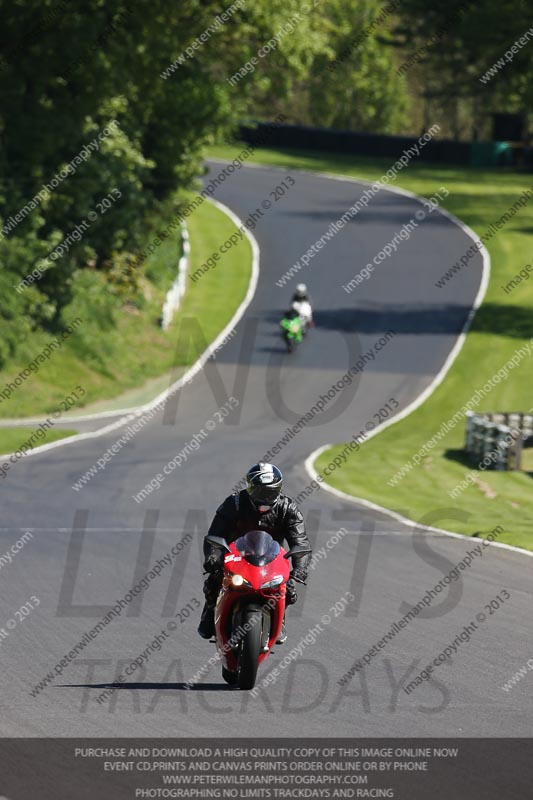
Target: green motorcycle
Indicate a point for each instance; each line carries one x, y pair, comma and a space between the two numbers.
291, 330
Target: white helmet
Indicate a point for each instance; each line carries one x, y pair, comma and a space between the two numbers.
301, 291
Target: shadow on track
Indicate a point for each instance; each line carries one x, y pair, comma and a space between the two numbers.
492, 318
177, 687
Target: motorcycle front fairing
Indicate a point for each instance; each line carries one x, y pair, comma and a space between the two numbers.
253, 576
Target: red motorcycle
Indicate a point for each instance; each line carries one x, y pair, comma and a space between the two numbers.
251, 604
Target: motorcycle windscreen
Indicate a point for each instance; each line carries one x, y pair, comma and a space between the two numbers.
258, 548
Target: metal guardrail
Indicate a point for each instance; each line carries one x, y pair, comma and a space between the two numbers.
497, 439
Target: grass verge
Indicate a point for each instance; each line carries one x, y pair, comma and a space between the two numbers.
108, 361
110, 353
11, 439
503, 324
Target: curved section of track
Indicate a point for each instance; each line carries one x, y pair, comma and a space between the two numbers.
402, 328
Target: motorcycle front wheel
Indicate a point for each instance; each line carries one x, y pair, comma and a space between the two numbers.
250, 648
229, 677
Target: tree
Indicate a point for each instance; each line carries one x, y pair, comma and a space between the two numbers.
453, 44
357, 88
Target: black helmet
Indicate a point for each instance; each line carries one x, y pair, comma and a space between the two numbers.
263, 484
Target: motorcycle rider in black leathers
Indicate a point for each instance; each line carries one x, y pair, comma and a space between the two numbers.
261, 506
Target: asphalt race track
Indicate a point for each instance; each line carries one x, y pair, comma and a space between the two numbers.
385, 565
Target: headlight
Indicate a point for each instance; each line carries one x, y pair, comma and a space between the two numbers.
238, 580
274, 582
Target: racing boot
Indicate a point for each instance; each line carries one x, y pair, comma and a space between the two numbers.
206, 628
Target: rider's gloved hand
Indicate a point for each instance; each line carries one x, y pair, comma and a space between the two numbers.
212, 563
299, 574
291, 597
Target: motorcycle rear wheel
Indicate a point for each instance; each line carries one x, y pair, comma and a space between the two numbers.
250, 649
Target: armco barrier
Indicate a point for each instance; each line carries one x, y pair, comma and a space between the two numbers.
497, 439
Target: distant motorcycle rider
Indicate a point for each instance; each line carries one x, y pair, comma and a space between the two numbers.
301, 302
261, 506
301, 294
